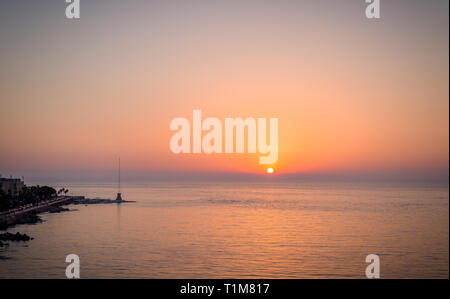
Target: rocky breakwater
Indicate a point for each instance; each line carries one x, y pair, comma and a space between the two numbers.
95, 201
26, 218
57, 209
13, 237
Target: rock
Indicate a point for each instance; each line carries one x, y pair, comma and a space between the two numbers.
14, 237
57, 209
30, 218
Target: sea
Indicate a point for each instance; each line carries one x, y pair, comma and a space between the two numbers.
223, 229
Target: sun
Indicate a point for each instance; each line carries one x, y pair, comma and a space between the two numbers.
270, 170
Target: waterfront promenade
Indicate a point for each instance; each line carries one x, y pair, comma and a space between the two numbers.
11, 215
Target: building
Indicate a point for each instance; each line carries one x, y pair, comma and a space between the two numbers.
13, 186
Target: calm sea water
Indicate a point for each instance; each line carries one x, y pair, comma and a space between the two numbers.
241, 230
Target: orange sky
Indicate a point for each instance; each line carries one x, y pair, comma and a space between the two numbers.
350, 94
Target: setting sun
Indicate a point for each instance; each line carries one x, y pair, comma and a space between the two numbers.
270, 170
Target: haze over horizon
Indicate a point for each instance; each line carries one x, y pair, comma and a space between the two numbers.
353, 96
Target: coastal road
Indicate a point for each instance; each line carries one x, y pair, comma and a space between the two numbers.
38, 208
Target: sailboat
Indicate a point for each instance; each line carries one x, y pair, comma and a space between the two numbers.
119, 194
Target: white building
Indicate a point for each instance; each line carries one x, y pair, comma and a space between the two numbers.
13, 186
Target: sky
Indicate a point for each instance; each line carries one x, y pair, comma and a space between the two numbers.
352, 95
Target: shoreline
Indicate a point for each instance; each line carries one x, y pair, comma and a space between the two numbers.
29, 214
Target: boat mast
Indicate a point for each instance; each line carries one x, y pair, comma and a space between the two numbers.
119, 195
119, 175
